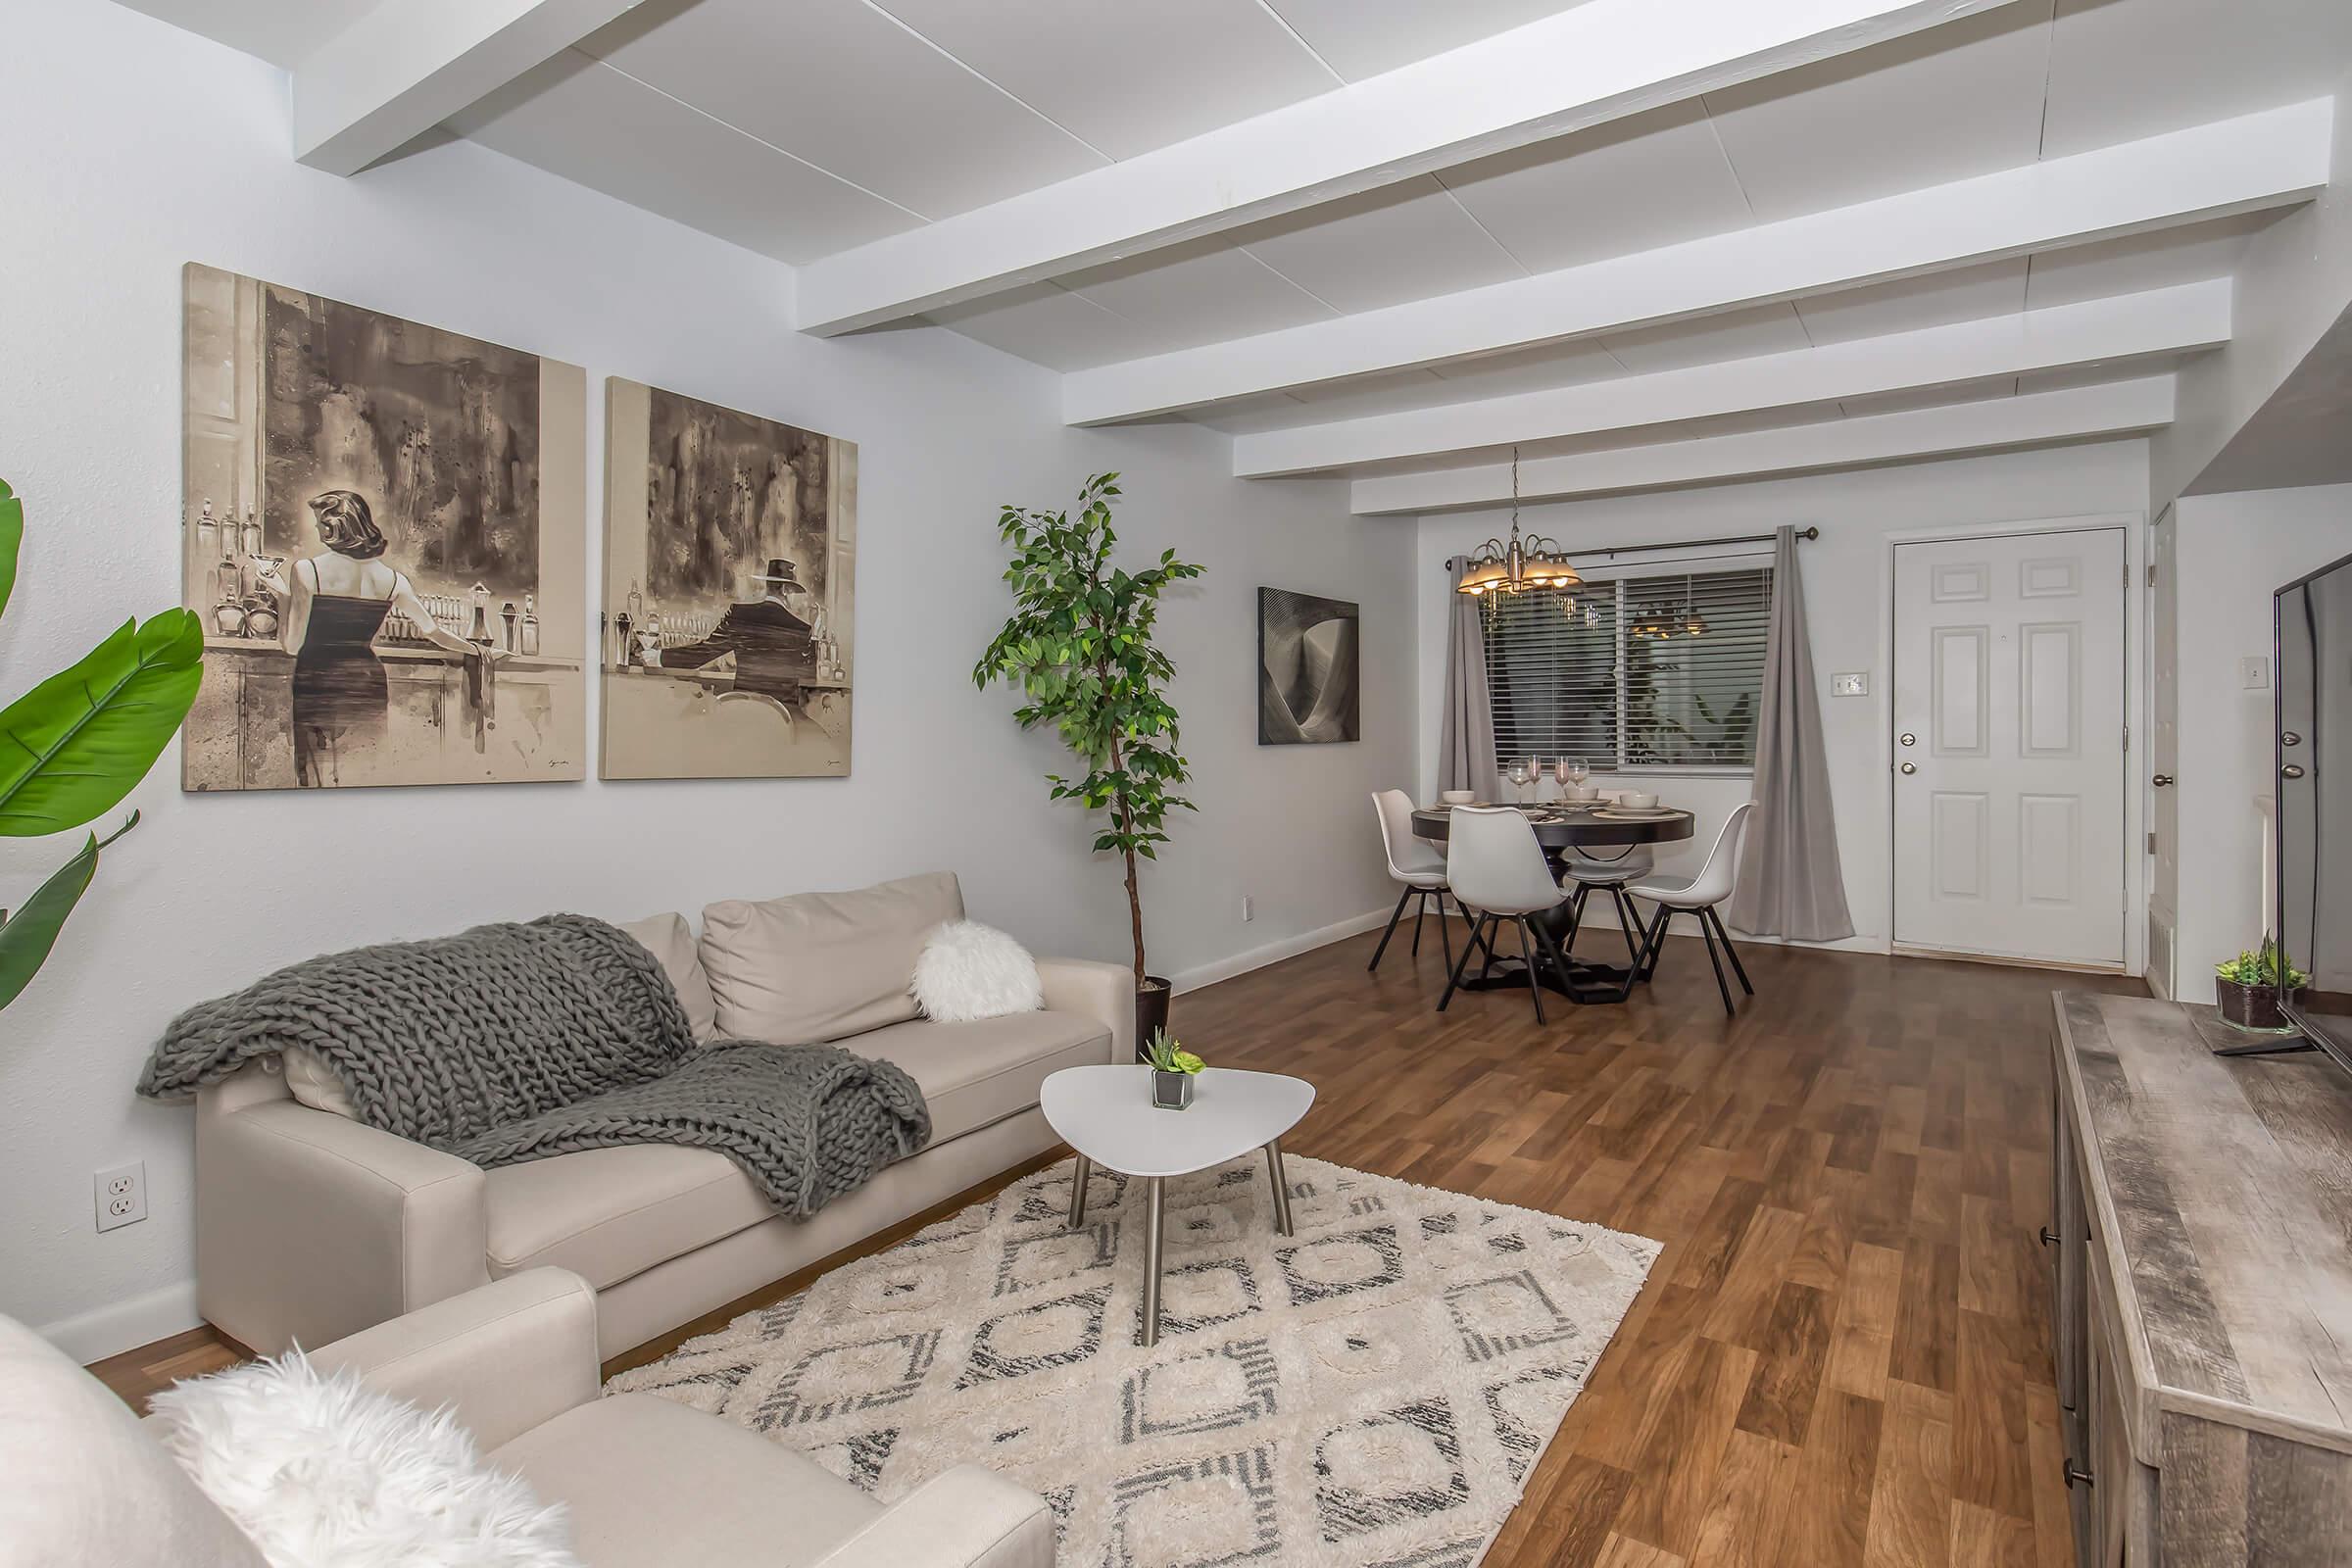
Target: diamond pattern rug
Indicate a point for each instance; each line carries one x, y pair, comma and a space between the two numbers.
1370, 1392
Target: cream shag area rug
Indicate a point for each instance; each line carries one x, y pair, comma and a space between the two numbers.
1371, 1390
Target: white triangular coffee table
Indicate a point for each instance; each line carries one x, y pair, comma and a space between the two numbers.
1106, 1113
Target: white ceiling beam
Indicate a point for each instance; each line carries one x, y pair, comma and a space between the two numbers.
2165, 320
2258, 161
2075, 413
407, 65
1597, 62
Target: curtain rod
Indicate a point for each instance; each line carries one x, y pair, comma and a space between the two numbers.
1808, 532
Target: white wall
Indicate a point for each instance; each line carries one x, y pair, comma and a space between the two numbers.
1845, 578
2292, 282
133, 148
2233, 550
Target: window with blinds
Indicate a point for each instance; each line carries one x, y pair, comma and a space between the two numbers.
1641, 671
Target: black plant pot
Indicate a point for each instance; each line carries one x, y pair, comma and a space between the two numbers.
1150, 1011
2249, 1007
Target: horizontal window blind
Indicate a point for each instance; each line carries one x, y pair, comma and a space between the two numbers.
1642, 671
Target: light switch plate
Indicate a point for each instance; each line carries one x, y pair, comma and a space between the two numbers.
2254, 672
1852, 684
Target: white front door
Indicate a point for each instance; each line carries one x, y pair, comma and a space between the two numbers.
2164, 758
2009, 746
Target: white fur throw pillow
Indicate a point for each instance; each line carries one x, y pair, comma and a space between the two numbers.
322, 1472
968, 970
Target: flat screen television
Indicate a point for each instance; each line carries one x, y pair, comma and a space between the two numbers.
2312, 627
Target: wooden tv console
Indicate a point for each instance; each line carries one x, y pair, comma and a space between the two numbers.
2201, 1249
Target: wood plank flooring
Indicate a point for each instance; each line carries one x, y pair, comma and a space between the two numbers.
1843, 1355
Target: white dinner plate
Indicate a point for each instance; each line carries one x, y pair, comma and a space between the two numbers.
1631, 814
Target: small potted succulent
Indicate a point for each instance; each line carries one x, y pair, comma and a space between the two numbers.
2251, 984
1173, 1070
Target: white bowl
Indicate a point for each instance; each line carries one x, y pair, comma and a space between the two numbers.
1580, 792
1637, 801
1456, 797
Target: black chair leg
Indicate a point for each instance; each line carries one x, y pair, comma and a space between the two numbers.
1454, 978
1706, 934
1645, 964
1730, 951
1576, 916
1395, 916
1535, 963
1444, 933
1627, 920
1420, 908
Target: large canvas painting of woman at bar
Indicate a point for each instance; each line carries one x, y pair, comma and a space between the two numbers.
730, 545
384, 534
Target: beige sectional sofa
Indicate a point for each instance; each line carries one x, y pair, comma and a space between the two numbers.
311, 1226
644, 1481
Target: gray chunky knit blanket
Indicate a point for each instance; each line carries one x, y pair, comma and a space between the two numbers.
516, 1041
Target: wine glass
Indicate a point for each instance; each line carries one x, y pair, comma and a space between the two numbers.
1522, 770
1578, 772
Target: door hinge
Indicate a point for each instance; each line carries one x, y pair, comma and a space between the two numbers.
2126, 737
2151, 841
2151, 573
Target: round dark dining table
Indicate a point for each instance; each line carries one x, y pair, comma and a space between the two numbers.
1560, 829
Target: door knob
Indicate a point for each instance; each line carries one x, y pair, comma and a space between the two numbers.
2161, 780
1910, 767
2050, 1238
2292, 770
2074, 1473
1908, 738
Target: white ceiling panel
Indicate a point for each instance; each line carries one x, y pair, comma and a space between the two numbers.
285, 32
1270, 410
1630, 185
1197, 292
804, 79
2121, 68
1938, 105
1763, 419
2099, 375
1046, 324
2139, 262
1730, 335
1129, 76
1402, 242
1910, 302
586, 122
1359, 38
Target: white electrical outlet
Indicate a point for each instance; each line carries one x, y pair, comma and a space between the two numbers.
1248, 907
2254, 673
1850, 684
121, 1195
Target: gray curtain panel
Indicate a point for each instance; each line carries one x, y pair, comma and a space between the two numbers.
1466, 738
1789, 881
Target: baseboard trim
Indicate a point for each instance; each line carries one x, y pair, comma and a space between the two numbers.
120, 1325
1208, 974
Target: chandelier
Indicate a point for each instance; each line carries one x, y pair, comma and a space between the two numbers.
1497, 567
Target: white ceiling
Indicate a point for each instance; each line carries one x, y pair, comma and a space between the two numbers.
806, 130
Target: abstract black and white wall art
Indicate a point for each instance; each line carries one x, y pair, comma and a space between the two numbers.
1309, 688
385, 534
731, 554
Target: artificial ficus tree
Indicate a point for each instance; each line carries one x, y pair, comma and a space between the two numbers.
1079, 646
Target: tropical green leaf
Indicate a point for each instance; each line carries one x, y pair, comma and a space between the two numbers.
11, 538
28, 935
75, 745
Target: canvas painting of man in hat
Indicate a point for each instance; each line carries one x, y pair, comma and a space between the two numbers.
730, 542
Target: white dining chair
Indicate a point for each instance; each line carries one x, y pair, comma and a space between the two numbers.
1697, 895
1498, 870
1593, 872
1417, 863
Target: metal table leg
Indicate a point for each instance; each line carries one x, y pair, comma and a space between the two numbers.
1084, 1169
1155, 1204
1281, 1188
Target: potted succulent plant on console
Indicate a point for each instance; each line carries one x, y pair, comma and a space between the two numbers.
1079, 646
76, 744
2250, 984
1173, 1070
